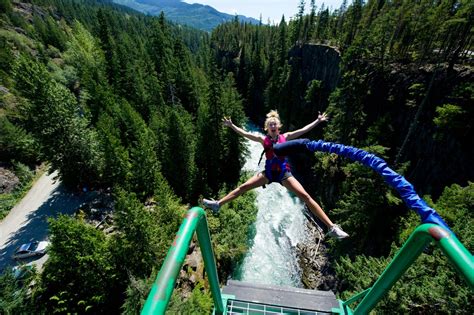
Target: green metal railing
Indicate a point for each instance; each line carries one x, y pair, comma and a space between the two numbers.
195, 220
458, 255
163, 286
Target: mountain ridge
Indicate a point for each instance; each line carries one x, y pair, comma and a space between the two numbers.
203, 17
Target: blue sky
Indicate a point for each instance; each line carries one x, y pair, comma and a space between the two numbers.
269, 9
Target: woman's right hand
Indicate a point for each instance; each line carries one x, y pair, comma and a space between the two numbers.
227, 121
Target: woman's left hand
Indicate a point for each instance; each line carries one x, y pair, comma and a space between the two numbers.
323, 117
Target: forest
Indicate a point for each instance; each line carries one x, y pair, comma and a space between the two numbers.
132, 105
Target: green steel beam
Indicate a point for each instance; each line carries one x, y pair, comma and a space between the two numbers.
204, 240
458, 255
163, 286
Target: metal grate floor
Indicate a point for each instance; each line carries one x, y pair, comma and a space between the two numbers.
249, 308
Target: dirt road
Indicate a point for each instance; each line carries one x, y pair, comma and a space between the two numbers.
27, 221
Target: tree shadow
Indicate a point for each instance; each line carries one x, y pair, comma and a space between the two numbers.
35, 227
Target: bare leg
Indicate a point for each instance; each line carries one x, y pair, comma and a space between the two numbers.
293, 185
255, 181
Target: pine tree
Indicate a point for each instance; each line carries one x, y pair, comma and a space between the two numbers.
140, 142
231, 160
184, 78
108, 46
16, 143
86, 56
209, 141
66, 139
134, 246
78, 257
117, 169
161, 52
180, 169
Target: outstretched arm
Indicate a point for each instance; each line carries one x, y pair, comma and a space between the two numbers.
228, 122
295, 134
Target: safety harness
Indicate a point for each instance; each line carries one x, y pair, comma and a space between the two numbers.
275, 166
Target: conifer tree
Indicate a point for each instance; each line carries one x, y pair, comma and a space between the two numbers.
282, 45
134, 246
354, 15
78, 253
297, 29
16, 143
232, 146
184, 78
86, 56
108, 46
140, 141
117, 169
67, 140
161, 52
179, 169
209, 142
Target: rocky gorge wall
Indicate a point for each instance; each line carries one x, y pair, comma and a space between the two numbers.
318, 62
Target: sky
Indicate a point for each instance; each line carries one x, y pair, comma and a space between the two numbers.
269, 9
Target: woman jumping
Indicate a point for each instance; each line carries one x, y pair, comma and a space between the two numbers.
277, 169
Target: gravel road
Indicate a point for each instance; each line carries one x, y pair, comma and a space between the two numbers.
27, 221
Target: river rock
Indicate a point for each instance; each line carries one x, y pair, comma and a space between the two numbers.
8, 181
313, 260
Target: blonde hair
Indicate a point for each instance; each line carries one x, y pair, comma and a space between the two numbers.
272, 116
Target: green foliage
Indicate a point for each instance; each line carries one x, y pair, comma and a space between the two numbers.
218, 149
31, 77
368, 207
456, 205
161, 48
67, 141
184, 78
200, 302
115, 98
16, 143
133, 246
24, 174
78, 275
145, 166
6, 56
168, 215
7, 202
84, 54
117, 168
23, 42
448, 116
5, 6
14, 297
49, 32
431, 284
137, 292
176, 133
313, 91
232, 146
346, 109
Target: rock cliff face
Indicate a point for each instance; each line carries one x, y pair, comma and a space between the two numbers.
314, 261
439, 155
318, 62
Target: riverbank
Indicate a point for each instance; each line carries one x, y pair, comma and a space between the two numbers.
313, 259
